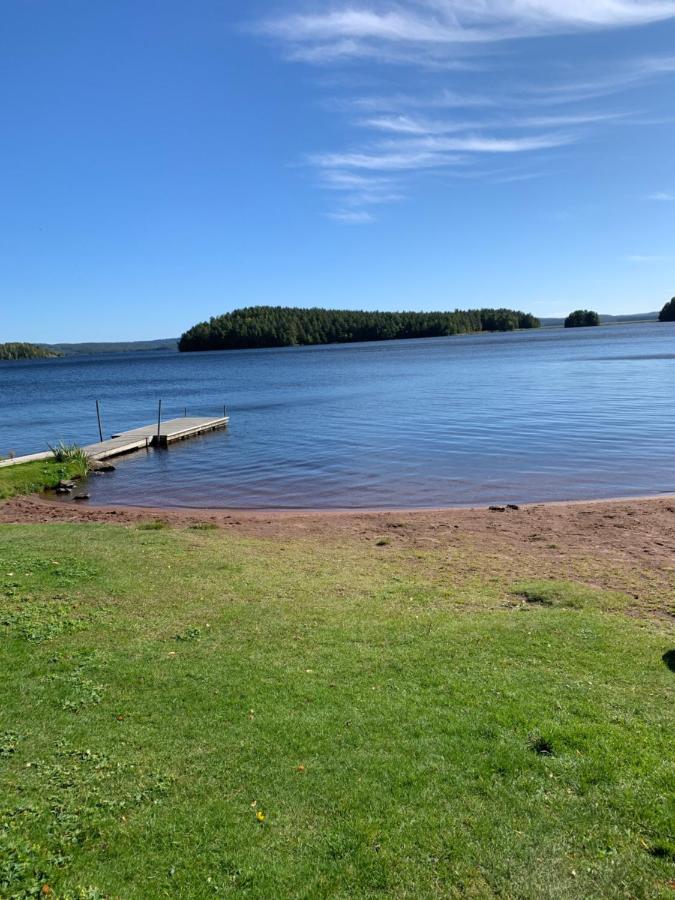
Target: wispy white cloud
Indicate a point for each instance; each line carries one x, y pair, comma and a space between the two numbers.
359, 190
372, 177
324, 54
414, 125
385, 161
348, 30
547, 92
442, 99
662, 197
517, 177
631, 74
409, 125
484, 143
431, 129
638, 258
351, 216
349, 181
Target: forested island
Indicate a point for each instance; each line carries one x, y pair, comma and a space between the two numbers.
17, 350
282, 326
667, 314
582, 318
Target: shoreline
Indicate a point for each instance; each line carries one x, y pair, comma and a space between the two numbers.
69, 510
619, 544
357, 510
624, 545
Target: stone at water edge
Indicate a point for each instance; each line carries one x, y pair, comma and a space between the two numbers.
81, 497
96, 465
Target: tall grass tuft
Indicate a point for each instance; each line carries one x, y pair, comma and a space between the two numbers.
75, 456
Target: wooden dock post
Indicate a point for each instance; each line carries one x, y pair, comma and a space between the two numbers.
159, 421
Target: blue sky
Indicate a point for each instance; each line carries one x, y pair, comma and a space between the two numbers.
163, 161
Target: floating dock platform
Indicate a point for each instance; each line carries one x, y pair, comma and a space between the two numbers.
140, 438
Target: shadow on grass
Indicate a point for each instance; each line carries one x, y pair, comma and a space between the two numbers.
154, 525
669, 659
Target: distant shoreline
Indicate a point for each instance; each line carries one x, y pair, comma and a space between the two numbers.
93, 348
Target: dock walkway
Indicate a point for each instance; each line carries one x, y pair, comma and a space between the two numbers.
140, 438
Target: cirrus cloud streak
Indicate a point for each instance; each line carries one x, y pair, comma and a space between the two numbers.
451, 127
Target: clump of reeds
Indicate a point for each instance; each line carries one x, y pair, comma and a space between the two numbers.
76, 458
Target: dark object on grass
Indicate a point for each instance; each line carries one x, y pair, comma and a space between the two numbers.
669, 659
662, 850
582, 318
540, 745
537, 596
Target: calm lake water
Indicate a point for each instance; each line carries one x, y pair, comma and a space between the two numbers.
479, 419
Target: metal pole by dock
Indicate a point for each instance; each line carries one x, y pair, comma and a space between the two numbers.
159, 420
98, 416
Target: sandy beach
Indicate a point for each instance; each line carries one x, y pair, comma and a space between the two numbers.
626, 545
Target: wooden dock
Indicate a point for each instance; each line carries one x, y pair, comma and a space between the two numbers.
140, 438
149, 436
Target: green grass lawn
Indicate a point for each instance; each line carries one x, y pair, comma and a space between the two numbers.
27, 478
193, 713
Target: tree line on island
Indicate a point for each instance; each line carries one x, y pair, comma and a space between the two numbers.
20, 350
582, 318
667, 314
587, 318
281, 326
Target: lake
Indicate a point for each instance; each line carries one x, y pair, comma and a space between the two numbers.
476, 419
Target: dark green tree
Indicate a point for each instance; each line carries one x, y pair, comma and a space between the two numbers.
667, 314
582, 318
